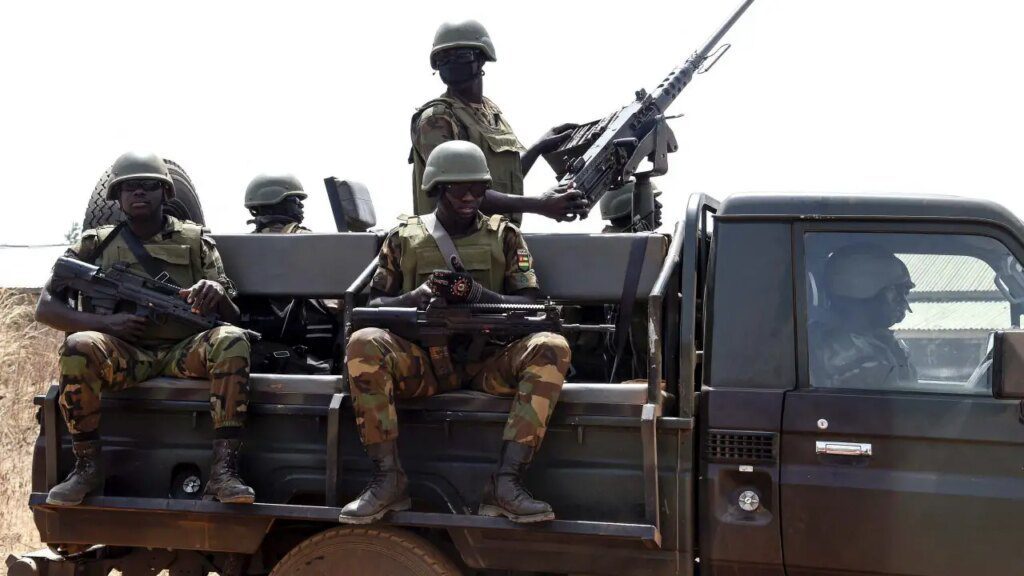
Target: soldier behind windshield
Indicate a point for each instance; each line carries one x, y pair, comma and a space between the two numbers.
459, 53
867, 289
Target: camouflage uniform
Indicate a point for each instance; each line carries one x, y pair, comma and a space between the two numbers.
91, 362
283, 228
448, 118
854, 359
383, 367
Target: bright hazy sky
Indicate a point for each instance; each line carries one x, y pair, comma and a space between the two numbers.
815, 95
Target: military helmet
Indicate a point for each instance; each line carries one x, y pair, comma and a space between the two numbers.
139, 166
465, 34
618, 203
269, 189
861, 272
455, 161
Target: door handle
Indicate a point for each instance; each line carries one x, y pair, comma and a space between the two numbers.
842, 448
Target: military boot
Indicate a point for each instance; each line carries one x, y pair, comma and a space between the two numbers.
387, 490
504, 494
86, 476
225, 484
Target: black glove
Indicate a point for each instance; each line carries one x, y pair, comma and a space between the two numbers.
455, 287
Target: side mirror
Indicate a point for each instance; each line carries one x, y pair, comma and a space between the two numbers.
351, 205
1008, 364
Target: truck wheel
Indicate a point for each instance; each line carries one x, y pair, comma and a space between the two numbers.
184, 206
346, 551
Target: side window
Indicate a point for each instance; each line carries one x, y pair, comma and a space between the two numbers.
907, 311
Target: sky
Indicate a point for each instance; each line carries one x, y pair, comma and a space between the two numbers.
891, 96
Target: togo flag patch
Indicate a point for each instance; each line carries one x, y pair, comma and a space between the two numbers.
523, 259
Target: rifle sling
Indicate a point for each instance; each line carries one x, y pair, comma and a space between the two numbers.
149, 264
106, 242
444, 242
630, 284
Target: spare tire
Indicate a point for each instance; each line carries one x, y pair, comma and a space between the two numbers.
184, 206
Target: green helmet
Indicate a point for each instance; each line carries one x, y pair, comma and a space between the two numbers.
861, 272
269, 189
455, 161
618, 203
465, 34
139, 166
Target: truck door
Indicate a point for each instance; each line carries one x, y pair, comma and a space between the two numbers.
895, 456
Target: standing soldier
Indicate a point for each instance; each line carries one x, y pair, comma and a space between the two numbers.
275, 202
116, 351
463, 113
383, 366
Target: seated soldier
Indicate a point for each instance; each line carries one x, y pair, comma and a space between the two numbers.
275, 202
383, 366
867, 289
116, 351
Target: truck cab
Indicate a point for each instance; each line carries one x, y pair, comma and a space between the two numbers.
757, 426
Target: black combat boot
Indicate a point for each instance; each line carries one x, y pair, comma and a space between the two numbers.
86, 477
504, 494
387, 490
225, 484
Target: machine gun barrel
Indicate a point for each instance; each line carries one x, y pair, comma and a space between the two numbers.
679, 77
606, 153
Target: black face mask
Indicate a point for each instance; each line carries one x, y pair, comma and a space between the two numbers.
458, 73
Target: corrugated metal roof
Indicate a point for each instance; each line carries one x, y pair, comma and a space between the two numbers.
958, 315
949, 273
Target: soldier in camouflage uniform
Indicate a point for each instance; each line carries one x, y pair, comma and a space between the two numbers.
867, 289
383, 367
116, 351
275, 202
463, 113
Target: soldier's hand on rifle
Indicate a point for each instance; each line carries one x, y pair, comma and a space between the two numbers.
420, 297
205, 296
561, 204
553, 138
124, 326
454, 287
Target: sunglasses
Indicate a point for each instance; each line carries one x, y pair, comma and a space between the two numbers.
477, 190
147, 185
456, 56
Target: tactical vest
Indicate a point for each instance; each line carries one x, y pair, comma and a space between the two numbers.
178, 254
499, 144
482, 253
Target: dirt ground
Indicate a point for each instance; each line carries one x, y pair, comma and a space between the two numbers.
28, 362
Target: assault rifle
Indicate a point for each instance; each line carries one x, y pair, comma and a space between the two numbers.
605, 154
155, 300
434, 326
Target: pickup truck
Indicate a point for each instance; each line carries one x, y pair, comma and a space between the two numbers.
752, 428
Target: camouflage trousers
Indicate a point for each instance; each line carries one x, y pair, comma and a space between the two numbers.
91, 362
382, 367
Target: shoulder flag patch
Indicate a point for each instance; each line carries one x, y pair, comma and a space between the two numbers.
523, 259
